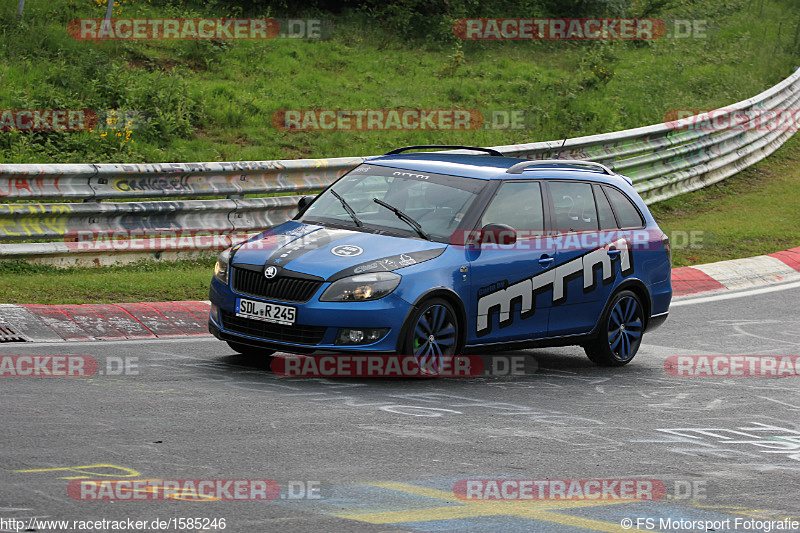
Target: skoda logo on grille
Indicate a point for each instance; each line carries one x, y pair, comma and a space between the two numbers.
270, 272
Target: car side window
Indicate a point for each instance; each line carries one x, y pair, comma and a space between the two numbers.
604, 213
517, 204
574, 206
628, 216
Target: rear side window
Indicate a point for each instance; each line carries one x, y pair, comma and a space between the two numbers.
519, 205
627, 214
604, 213
574, 206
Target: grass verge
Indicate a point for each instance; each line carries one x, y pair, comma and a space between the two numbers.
145, 281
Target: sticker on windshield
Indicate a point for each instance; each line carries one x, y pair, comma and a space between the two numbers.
347, 250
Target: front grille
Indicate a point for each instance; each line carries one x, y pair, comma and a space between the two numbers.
275, 332
285, 288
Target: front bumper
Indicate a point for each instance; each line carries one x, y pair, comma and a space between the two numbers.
317, 323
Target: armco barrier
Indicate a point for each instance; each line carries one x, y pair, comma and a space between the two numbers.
663, 160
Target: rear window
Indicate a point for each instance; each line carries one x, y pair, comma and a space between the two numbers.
628, 216
574, 206
604, 213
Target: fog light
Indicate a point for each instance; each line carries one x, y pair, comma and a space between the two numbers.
215, 313
360, 336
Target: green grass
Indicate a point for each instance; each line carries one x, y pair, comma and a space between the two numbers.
213, 100
146, 281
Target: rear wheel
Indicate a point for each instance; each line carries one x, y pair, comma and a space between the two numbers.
252, 352
621, 329
432, 333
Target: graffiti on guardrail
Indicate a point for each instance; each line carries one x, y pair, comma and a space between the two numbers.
158, 183
59, 221
32, 220
22, 186
133, 181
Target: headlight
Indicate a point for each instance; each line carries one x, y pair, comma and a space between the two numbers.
222, 266
361, 288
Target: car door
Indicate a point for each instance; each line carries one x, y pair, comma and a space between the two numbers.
507, 282
590, 254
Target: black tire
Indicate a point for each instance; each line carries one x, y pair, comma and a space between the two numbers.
252, 352
432, 331
620, 331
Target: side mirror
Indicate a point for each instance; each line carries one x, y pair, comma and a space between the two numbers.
498, 234
304, 202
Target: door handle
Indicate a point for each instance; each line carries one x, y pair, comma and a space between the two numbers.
614, 252
546, 261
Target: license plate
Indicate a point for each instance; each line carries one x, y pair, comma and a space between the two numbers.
279, 314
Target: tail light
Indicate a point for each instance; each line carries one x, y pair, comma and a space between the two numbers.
667, 247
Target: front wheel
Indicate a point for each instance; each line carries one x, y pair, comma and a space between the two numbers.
432, 332
621, 329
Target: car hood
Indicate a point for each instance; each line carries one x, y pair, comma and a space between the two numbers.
333, 253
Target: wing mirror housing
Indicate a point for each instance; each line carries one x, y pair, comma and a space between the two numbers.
304, 202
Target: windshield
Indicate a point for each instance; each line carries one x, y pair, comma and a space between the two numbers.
437, 202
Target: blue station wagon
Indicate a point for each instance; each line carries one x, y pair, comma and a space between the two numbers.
431, 253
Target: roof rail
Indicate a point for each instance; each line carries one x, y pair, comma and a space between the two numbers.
519, 167
490, 151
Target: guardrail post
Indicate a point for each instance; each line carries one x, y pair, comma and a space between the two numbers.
107, 21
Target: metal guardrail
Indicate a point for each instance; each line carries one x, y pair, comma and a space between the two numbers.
663, 160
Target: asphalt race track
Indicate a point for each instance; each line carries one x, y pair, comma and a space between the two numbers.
385, 454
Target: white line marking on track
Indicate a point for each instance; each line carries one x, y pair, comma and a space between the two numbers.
737, 294
780, 402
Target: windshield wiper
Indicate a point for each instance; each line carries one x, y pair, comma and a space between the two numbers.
405, 218
347, 208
